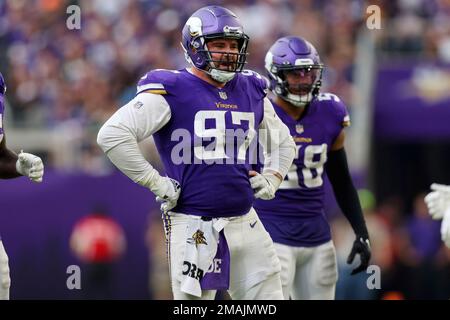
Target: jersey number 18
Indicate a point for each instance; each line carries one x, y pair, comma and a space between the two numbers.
310, 176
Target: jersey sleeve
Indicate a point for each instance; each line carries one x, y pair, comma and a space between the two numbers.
275, 137
158, 81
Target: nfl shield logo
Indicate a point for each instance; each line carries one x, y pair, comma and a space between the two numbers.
223, 95
299, 128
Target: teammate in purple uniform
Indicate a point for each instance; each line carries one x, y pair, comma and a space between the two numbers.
12, 166
204, 119
295, 218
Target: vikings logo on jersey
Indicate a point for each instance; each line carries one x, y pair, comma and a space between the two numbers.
299, 128
223, 95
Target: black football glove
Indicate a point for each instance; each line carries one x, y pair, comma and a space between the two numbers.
361, 246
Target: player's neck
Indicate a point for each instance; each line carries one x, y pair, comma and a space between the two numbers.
293, 111
205, 77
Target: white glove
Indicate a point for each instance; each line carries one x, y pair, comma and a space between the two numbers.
167, 192
438, 201
30, 166
445, 228
264, 185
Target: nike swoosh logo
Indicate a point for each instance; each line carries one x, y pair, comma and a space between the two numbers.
253, 224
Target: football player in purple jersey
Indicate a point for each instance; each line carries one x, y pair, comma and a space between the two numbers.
295, 218
12, 166
204, 119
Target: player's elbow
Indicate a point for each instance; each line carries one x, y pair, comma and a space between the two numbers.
104, 138
112, 134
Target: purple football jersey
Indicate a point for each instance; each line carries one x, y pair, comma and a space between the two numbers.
296, 215
206, 143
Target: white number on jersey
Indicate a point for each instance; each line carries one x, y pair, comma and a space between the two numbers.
291, 180
247, 72
328, 96
311, 165
219, 133
236, 118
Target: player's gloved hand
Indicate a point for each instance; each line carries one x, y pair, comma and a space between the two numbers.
445, 228
30, 166
167, 192
438, 201
264, 185
361, 246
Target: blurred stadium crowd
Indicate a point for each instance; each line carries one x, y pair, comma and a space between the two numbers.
58, 77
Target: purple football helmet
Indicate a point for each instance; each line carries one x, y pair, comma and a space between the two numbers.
295, 59
213, 22
2, 85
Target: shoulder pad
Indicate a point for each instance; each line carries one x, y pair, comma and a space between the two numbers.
259, 82
158, 81
335, 105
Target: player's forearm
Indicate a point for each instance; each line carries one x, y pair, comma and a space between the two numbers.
344, 191
8, 161
280, 158
279, 147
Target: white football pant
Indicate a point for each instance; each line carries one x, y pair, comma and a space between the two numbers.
308, 273
5, 280
254, 265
